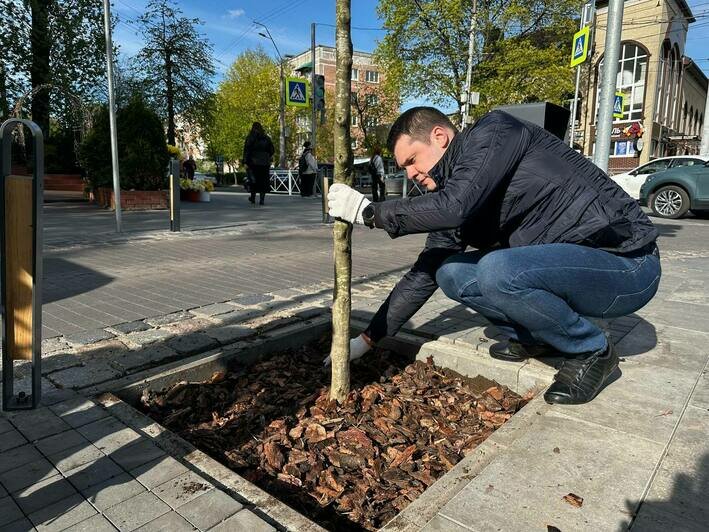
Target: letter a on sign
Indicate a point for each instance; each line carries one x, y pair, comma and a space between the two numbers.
297, 92
579, 49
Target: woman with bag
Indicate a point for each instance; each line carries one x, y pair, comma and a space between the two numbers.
258, 152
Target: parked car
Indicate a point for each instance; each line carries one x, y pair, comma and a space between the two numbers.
670, 194
633, 180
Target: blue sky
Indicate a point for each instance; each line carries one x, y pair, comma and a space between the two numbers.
228, 25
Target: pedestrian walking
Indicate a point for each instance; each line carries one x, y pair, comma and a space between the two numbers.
258, 152
557, 241
376, 170
189, 167
307, 170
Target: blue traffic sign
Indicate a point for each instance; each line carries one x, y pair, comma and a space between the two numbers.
297, 92
579, 49
618, 105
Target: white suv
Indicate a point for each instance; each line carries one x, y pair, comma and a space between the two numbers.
633, 180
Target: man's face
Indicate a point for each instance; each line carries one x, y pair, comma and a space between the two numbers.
418, 157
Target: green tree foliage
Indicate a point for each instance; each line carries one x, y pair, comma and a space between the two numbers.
176, 63
249, 93
57, 42
142, 150
522, 49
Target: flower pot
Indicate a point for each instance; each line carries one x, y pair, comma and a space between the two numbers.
204, 196
192, 195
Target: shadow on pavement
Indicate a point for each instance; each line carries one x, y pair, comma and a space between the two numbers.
69, 279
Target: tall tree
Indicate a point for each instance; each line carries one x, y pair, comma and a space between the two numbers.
427, 44
248, 94
342, 231
54, 44
179, 58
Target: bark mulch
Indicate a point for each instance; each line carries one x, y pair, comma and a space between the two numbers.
347, 467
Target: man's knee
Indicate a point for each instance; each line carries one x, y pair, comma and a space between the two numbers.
448, 278
498, 273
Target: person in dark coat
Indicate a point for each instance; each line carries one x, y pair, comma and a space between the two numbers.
189, 167
258, 152
376, 172
556, 241
307, 170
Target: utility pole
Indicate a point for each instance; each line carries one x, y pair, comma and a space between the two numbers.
282, 101
112, 114
608, 84
704, 147
469, 74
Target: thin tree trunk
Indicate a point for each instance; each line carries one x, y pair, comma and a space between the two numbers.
342, 232
4, 105
170, 101
39, 69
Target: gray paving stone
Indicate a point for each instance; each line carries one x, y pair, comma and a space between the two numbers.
169, 522
73, 457
27, 474
9, 511
229, 333
131, 326
21, 525
60, 442
17, 457
156, 321
11, 439
148, 355
79, 411
62, 514
92, 473
88, 337
182, 489
136, 454
238, 316
96, 523
209, 510
39, 423
191, 344
109, 434
113, 491
50, 345
244, 520
5, 424
147, 337
157, 472
212, 310
251, 299
42, 494
136, 511
440, 524
93, 372
59, 361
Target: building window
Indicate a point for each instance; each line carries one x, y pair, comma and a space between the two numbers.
372, 99
632, 72
355, 74
372, 76
371, 121
622, 148
354, 119
354, 144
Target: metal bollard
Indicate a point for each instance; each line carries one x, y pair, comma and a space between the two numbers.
21, 200
174, 195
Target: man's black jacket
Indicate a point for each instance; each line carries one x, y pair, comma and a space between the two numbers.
509, 183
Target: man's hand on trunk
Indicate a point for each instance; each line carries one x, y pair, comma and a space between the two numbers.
359, 345
346, 203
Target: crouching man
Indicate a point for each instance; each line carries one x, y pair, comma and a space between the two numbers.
556, 241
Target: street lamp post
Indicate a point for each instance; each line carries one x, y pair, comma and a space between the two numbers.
282, 102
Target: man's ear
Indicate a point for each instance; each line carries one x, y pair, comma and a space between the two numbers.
440, 136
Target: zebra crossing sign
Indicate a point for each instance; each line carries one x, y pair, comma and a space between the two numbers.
618, 105
579, 49
297, 92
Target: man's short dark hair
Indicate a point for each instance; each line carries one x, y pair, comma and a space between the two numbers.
417, 123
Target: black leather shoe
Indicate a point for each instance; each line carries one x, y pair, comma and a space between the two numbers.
513, 351
580, 379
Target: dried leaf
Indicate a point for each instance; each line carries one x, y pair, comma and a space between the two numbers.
573, 500
315, 433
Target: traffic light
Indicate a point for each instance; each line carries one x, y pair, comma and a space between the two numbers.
319, 101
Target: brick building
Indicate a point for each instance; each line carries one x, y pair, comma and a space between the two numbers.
664, 90
367, 78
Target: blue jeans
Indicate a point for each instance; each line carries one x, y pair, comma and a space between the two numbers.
540, 294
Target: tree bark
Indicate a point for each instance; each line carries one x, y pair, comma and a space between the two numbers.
39, 69
342, 232
170, 89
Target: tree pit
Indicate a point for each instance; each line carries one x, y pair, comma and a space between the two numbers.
352, 466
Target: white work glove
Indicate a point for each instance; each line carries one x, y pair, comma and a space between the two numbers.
358, 347
346, 203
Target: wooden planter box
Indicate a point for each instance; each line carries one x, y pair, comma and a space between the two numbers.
195, 196
132, 200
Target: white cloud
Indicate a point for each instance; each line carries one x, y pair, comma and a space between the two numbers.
235, 13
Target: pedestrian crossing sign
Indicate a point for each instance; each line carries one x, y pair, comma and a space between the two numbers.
618, 105
579, 49
297, 92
